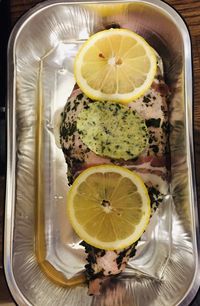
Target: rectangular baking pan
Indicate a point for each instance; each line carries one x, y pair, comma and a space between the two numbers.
43, 259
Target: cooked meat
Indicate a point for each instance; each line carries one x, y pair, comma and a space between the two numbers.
150, 165
103, 264
152, 107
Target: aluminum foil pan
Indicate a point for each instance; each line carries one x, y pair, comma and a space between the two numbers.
44, 262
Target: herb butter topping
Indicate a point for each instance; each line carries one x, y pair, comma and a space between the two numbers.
112, 130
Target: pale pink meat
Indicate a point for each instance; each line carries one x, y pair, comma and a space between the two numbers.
152, 107
150, 165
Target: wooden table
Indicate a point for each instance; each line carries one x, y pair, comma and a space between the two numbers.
190, 10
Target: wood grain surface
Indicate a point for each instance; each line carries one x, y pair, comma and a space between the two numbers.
190, 11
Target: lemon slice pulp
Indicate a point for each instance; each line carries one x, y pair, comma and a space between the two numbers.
109, 207
116, 65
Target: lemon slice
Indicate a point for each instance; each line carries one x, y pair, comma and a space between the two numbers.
109, 207
116, 65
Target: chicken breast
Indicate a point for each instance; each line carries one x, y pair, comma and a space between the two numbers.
152, 107
150, 165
